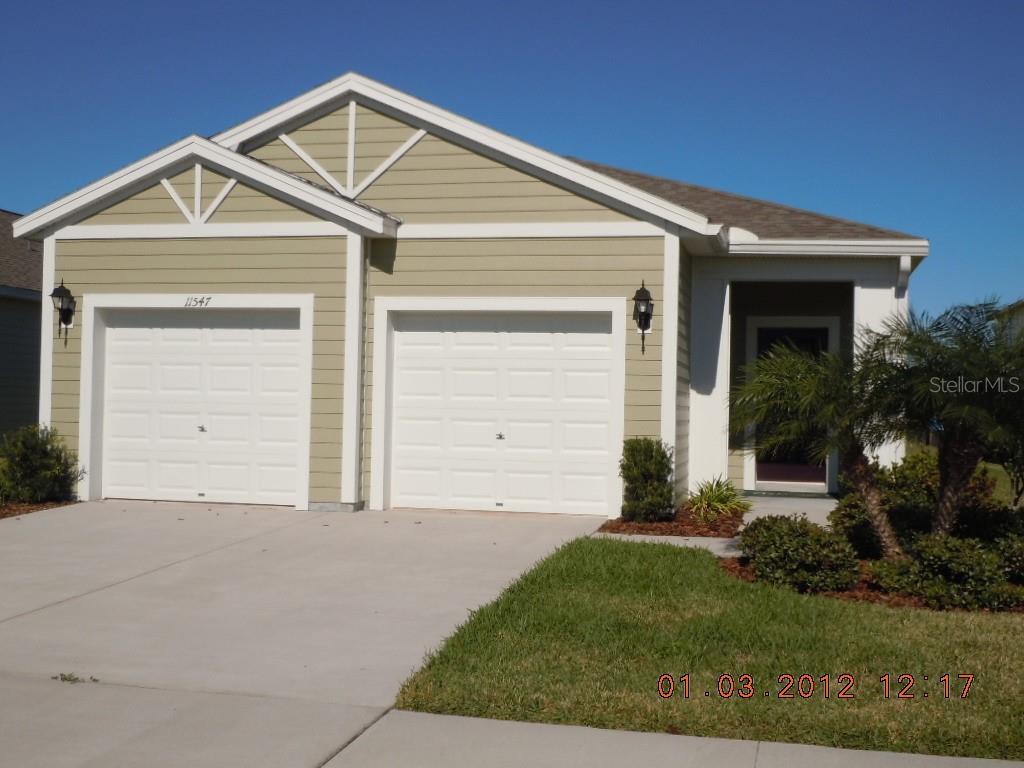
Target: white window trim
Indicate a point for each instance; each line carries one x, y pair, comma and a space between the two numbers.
91, 398
754, 323
384, 310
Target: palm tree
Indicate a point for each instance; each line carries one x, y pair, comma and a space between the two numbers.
824, 403
954, 375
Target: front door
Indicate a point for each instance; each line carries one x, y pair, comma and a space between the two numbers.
792, 466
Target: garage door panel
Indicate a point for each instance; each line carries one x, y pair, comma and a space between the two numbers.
542, 381
202, 405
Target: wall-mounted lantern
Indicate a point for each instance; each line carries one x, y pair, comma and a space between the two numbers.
643, 313
64, 302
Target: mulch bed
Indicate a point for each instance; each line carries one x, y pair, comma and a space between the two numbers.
684, 524
17, 509
861, 592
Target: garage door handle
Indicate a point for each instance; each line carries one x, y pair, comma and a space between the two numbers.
202, 428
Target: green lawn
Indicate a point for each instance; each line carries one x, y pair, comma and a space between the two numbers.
585, 635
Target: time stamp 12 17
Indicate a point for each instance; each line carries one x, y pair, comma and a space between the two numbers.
806, 686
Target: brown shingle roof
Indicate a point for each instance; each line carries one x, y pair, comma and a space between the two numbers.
21, 261
764, 219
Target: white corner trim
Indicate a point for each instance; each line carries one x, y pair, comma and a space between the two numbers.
391, 160
754, 322
46, 336
177, 200
159, 164
351, 427
350, 157
220, 198
906, 266
153, 231
320, 171
784, 247
541, 229
669, 339
384, 310
93, 326
518, 152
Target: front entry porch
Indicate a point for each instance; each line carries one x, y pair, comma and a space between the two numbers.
741, 308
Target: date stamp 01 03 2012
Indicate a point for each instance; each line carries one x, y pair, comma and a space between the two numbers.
843, 686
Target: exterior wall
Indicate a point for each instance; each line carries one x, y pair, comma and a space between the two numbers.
682, 444
781, 299
225, 265
436, 181
525, 267
19, 374
150, 206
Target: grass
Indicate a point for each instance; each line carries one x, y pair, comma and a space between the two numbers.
585, 635
1003, 489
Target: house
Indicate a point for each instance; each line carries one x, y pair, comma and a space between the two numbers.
1014, 314
360, 299
21, 270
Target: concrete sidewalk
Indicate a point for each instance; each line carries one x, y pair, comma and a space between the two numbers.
418, 740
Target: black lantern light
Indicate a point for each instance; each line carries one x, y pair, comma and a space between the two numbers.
643, 313
64, 302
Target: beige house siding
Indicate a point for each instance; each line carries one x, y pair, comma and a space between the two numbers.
436, 181
19, 374
221, 265
525, 267
152, 205
682, 446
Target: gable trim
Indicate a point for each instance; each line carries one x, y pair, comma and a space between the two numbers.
148, 170
518, 154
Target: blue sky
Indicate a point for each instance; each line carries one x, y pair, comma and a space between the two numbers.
906, 115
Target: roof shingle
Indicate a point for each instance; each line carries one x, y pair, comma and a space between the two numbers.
21, 261
766, 220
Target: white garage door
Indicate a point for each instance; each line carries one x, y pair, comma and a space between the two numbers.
508, 411
202, 405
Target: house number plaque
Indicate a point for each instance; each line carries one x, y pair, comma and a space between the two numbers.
192, 302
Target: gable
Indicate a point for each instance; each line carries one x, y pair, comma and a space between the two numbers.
222, 199
417, 176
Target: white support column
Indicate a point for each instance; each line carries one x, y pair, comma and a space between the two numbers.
709, 379
46, 332
351, 427
669, 339
874, 302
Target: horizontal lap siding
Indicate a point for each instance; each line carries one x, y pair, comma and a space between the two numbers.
585, 267
221, 265
682, 446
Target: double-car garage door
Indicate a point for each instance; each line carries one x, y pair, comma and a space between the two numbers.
485, 410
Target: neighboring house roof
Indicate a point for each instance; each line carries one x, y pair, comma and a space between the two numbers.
286, 186
21, 261
765, 219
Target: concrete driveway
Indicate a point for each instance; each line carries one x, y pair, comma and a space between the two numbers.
228, 635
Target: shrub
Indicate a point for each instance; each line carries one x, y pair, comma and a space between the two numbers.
1011, 550
910, 493
948, 572
36, 466
646, 470
715, 498
794, 552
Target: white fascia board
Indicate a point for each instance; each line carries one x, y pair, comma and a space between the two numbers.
917, 249
499, 143
195, 147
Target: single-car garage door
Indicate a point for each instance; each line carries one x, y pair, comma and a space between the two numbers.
508, 411
202, 405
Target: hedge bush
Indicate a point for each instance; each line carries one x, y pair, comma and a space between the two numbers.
794, 552
646, 470
910, 493
1011, 550
948, 572
36, 466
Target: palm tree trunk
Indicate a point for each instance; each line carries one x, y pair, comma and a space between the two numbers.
958, 461
864, 476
